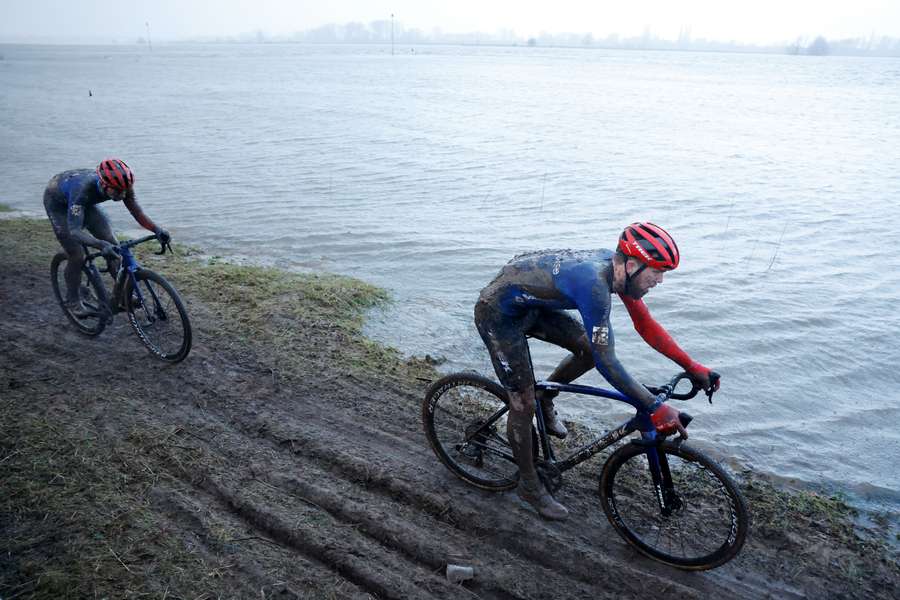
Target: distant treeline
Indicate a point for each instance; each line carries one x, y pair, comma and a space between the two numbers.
385, 31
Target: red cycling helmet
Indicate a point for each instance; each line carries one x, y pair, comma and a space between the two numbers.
115, 174
651, 245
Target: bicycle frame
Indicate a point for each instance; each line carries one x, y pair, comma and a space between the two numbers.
657, 462
608, 439
127, 269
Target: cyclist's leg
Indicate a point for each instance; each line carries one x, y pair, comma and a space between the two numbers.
504, 337
96, 221
560, 329
59, 221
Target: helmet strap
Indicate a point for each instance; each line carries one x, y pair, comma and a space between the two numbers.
629, 278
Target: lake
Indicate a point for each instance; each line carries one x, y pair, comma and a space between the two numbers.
424, 171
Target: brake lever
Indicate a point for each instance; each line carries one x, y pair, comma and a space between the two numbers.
713, 385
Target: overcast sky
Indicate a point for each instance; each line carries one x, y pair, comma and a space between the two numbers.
751, 21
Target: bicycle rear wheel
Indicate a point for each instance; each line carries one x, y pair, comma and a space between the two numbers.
158, 317
709, 523
89, 290
464, 415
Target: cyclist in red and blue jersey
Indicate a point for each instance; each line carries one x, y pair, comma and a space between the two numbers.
529, 297
71, 200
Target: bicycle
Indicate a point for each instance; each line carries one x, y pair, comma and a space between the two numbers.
154, 308
668, 500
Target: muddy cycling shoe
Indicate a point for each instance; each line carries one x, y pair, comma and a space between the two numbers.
552, 422
537, 496
78, 310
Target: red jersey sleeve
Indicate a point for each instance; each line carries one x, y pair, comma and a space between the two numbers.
135, 209
654, 333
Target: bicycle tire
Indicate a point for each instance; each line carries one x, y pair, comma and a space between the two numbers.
456, 406
707, 530
89, 291
151, 316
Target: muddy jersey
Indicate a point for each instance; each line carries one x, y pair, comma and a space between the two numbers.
557, 280
74, 192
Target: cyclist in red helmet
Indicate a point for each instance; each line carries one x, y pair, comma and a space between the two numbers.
71, 200
529, 297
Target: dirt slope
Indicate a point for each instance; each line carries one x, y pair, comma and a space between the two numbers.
288, 468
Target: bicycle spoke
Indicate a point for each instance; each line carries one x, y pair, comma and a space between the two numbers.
504, 451
155, 315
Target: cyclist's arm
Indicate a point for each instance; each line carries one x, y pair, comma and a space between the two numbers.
134, 208
603, 348
75, 223
656, 335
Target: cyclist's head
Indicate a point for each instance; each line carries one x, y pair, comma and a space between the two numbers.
651, 245
115, 177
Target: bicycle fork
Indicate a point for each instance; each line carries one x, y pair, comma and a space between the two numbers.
663, 486
129, 268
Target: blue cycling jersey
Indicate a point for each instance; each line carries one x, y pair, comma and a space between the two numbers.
558, 279
75, 191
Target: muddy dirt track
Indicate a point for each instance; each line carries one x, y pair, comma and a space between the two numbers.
227, 477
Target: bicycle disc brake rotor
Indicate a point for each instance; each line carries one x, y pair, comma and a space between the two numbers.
473, 450
550, 476
674, 503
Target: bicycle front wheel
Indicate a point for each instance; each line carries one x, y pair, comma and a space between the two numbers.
158, 317
707, 518
88, 290
464, 415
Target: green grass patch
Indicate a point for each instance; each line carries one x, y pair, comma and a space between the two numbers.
28, 241
807, 522
780, 510
288, 318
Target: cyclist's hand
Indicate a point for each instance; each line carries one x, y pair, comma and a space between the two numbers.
665, 420
700, 375
162, 235
109, 251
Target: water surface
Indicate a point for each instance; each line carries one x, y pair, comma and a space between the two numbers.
425, 171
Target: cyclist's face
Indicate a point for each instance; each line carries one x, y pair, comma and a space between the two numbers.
646, 279
113, 194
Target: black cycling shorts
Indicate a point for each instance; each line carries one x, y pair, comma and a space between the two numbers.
506, 338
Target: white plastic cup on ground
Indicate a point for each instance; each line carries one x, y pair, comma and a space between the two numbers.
459, 573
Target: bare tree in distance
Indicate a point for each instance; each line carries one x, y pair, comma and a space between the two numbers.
819, 47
